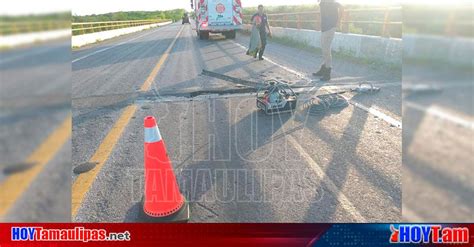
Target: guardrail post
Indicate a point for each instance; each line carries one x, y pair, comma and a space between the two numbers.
449, 29
286, 21
345, 21
317, 25
299, 21
14, 28
386, 23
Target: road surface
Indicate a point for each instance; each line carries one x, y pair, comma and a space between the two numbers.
35, 133
438, 180
233, 163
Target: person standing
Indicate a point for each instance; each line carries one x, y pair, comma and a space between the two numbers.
263, 26
331, 13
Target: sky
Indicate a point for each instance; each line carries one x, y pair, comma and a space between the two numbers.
21, 7
82, 8
87, 7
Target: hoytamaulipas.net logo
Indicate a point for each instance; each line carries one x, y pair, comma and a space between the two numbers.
428, 234
75, 234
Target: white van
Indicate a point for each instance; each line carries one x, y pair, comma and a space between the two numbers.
218, 16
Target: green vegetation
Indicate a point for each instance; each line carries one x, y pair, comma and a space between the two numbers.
92, 27
145, 18
358, 28
422, 19
34, 23
283, 9
61, 16
174, 15
438, 20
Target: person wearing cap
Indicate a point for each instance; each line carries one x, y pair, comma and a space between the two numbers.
331, 13
261, 20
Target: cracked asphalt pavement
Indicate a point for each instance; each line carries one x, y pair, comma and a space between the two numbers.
234, 163
35, 143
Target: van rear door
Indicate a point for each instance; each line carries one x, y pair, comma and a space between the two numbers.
221, 12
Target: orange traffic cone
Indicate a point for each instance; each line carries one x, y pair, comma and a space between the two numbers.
162, 201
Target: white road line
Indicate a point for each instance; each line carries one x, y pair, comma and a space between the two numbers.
343, 200
110, 47
433, 110
372, 110
449, 85
30, 53
301, 75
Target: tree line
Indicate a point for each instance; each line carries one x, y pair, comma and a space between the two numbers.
174, 15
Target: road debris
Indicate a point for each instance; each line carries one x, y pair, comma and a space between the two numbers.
366, 88
319, 105
17, 167
419, 89
276, 97
84, 167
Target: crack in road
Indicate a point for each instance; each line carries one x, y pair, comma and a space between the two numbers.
207, 209
154, 97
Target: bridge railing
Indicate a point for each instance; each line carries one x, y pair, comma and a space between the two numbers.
92, 27
453, 21
17, 27
385, 22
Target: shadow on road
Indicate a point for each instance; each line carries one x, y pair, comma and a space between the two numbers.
435, 148
344, 158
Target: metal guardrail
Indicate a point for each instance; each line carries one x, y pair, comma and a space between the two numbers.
449, 21
456, 21
92, 27
16, 27
299, 20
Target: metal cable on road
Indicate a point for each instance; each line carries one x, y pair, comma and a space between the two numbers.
321, 104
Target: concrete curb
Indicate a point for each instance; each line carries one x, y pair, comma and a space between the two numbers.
452, 50
360, 46
85, 39
31, 38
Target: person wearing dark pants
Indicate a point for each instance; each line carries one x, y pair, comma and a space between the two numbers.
262, 23
331, 13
